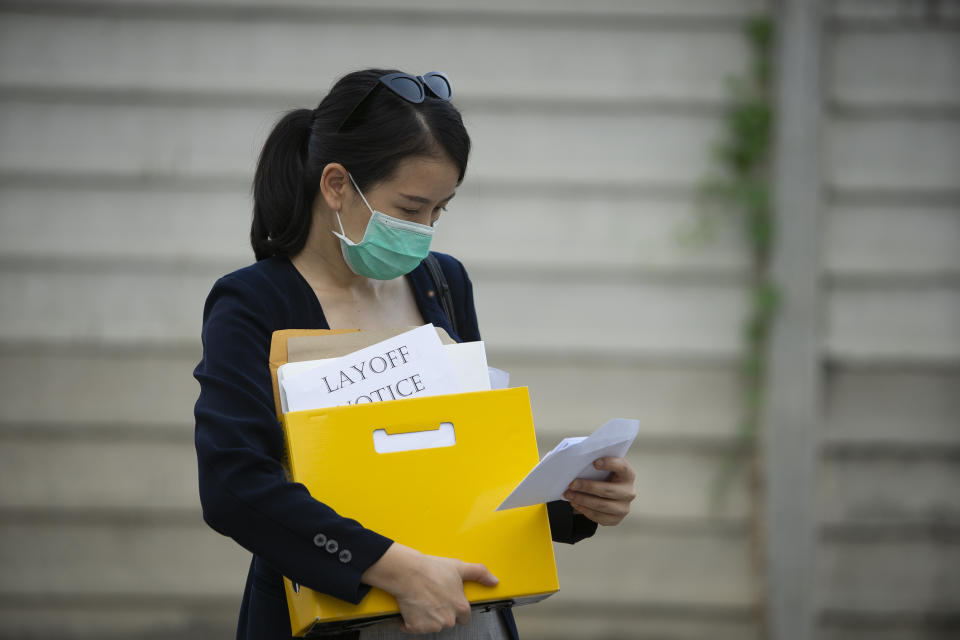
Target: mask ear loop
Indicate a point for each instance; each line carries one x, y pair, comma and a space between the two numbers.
361, 193
343, 234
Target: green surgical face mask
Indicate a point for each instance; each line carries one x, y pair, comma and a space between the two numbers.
390, 247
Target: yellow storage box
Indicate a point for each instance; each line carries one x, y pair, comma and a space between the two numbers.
440, 500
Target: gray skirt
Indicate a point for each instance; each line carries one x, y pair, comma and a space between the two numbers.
484, 625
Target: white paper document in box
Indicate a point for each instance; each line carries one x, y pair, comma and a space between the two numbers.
572, 458
411, 364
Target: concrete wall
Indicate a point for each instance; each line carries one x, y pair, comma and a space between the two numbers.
128, 135
888, 493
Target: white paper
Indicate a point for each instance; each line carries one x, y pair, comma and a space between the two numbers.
410, 364
572, 458
499, 379
469, 360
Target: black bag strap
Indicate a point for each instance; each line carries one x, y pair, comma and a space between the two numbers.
443, 289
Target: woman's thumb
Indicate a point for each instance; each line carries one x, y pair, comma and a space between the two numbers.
477, 573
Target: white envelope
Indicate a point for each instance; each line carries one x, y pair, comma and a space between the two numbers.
572, 458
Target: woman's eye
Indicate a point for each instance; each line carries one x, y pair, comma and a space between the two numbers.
410, 212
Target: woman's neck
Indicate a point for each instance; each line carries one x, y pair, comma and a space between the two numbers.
321, 263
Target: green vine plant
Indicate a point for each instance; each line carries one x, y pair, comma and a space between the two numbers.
740, 184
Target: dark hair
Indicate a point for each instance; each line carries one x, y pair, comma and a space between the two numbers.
382, 132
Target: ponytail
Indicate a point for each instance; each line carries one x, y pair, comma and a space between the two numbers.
282, 197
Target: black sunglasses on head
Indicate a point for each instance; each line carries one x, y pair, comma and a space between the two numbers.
411, 88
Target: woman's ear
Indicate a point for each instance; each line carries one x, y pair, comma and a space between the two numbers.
334, 182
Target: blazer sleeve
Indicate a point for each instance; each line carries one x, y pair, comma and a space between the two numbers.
244, 491
565, 525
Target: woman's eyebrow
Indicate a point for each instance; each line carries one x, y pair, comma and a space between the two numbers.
422, 200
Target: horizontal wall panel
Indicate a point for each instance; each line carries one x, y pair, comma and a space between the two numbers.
545, 8
99, 474
892, 153
97, 560
894, 322
304, 56
629, 318
144, 391
113, 619
667, 148
667, 568
576, 397
127, 390
116, 307
590, 228
130, 223
134, 141
887, 239
75, 475
216, 141
106, 307
912, 65
549, 622
889, 576
891, 405
889, 489
482, 228
885, 629
894, 12
206, 141
91, 560
484, 225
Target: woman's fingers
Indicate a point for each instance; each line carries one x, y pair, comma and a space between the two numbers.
463, 616
621, 469
602, 489
599, 517
593, 503
430, 591
477, 573
607, 501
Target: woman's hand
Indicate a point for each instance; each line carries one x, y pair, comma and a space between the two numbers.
606, 502
429, 589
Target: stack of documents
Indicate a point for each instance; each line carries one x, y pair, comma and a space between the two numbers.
412, 364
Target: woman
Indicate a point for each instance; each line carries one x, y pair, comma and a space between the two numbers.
346, 199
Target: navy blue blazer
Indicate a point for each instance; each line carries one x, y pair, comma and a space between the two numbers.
243, 490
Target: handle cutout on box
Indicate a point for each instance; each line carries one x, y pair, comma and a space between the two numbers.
442, 436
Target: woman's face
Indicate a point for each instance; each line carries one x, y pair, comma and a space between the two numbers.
418, 191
